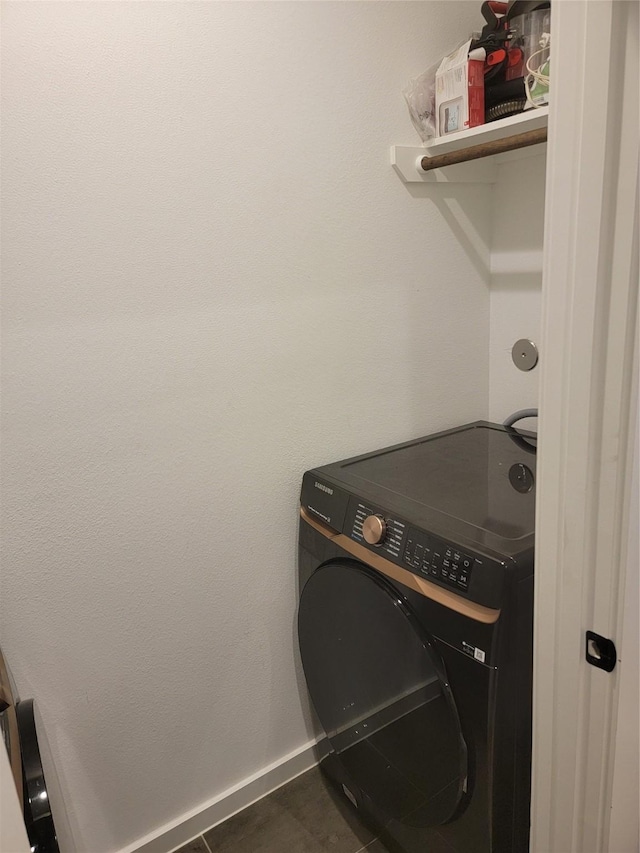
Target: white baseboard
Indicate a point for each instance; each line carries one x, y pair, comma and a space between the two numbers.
178, 832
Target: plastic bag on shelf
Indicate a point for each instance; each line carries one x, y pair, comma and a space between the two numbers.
420, 95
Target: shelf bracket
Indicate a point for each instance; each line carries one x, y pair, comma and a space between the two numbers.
407, 162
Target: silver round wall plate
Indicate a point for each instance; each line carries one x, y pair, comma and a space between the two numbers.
524, 354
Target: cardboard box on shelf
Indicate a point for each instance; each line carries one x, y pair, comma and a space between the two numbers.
460, 90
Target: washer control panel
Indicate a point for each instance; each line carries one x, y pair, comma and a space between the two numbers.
471, 575
392, 532
436, 559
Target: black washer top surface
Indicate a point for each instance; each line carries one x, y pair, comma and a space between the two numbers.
476, 480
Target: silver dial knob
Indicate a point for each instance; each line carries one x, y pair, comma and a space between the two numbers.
374, 529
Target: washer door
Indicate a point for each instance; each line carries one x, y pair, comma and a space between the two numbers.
379, 688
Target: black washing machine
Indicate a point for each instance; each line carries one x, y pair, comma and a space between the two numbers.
415, 626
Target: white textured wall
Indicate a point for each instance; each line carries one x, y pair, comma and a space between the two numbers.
212, 280
516, 282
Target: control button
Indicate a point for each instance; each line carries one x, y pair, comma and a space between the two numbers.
373, 529
466, 563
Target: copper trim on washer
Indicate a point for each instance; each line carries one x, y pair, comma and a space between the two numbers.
420, 585
320, 526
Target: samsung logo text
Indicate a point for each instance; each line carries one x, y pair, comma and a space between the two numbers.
323, 488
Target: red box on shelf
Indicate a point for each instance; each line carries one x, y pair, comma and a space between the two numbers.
460, 91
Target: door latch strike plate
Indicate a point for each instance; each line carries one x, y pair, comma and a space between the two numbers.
600, 652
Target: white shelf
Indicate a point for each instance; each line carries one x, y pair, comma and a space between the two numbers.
501, 129
406, 160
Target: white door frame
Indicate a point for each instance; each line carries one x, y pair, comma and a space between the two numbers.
587, 404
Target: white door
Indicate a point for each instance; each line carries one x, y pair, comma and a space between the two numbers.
588, 404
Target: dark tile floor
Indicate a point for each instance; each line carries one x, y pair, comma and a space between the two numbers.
304, 816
